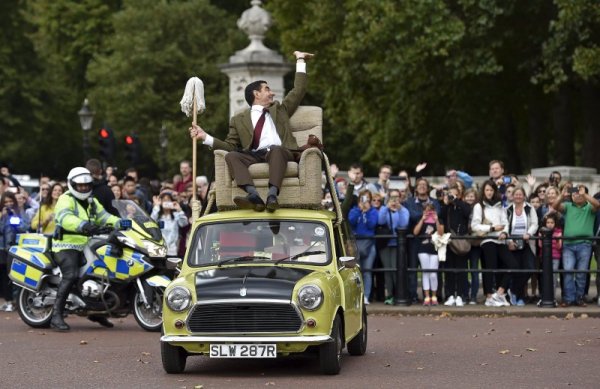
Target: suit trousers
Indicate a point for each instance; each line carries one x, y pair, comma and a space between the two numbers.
277, 157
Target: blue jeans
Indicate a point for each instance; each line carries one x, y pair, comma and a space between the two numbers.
367, 252
575, 256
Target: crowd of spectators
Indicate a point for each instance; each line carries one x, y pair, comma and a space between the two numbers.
499, 211
501, 215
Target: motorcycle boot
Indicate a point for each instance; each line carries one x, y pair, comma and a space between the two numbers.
57, 322
102, 320
68, 261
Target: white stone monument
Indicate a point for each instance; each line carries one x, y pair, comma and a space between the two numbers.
255, 62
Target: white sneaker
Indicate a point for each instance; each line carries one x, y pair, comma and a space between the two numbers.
489, 302
450, 302
8, 307
366, 301
459, 302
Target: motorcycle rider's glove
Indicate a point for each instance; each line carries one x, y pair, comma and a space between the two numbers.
90, 229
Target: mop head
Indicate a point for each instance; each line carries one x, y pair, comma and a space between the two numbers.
193, 86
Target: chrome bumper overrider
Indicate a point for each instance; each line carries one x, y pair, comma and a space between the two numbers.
246, 339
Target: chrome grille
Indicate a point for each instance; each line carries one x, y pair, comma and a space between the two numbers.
244, 318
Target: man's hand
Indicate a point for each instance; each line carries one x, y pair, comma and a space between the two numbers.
420, 166
197, 132
303, 55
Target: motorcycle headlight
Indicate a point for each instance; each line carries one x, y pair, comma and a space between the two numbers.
310, 297
179, 299
153, 249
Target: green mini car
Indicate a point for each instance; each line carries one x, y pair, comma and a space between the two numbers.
266, 285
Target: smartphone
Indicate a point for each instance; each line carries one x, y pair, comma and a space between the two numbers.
167, 204
13, 189
364, 199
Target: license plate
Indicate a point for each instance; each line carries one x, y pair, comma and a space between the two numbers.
243, 350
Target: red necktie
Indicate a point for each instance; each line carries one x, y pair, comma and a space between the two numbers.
258, 129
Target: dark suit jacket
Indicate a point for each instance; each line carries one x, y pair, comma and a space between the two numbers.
241, 129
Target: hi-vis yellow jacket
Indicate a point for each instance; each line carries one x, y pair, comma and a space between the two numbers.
72, 216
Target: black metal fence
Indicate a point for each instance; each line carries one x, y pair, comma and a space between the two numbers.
401, 294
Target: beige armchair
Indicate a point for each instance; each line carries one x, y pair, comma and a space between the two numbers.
302, 183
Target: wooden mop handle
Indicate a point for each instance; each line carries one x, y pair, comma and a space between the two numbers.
194, 148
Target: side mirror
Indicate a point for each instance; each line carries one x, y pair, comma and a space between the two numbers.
349, 262
173, 263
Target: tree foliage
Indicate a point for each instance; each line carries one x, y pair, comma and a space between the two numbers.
453, 82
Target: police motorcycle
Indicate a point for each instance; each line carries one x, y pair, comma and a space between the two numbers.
124, 271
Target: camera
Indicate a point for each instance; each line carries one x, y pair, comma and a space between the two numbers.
167, 204
573, 190
364, 199
451, 197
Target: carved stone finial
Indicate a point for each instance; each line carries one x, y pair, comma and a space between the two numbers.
255, 22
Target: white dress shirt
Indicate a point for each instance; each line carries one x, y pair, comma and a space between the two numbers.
269, 136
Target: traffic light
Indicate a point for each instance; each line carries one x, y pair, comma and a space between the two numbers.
106, 142
133, 149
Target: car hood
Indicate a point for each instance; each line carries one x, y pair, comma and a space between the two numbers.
250, 282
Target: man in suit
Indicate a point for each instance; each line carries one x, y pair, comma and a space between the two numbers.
261, 134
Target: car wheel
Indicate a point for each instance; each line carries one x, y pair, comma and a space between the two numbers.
358, 344
173, 358
330, 353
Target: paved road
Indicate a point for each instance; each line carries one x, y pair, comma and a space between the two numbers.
404, 351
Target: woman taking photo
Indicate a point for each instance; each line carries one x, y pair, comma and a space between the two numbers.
169, 211
489, 217
43, 220
363, 219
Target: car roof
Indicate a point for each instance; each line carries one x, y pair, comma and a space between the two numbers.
282, 213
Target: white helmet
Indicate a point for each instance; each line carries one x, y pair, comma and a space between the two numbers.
79, 175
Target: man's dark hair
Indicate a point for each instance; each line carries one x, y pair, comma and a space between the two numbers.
356, 166
249, 91
94, 166
127, 179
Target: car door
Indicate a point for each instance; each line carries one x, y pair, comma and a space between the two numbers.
345, 245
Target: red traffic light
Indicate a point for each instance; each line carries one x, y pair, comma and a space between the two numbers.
129, 140
104, 133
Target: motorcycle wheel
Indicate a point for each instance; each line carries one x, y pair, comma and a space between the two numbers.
149, 319
32, 316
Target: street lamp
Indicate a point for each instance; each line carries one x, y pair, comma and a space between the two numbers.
86, 117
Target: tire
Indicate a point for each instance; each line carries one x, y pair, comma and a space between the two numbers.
358, 344
330, 353
173, 358
33, 316
149, 319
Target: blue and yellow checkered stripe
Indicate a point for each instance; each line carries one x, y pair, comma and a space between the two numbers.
130, 266
38, 259
25, 275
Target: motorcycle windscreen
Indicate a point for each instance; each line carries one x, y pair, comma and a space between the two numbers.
143, 223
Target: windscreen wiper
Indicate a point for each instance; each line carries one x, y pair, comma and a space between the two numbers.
302, 254
241, 259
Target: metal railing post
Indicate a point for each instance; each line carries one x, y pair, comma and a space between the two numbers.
401, 297
547, 272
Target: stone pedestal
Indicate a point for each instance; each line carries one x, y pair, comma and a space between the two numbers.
255, 62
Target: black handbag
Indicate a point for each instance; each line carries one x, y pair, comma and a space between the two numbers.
383, 229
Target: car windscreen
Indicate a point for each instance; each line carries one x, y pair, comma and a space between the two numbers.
272, 241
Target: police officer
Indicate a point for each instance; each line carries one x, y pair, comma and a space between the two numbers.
77, 216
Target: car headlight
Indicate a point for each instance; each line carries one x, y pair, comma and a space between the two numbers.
310, 297
179, 299
153, 249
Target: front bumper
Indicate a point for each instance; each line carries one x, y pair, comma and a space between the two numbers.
317, 339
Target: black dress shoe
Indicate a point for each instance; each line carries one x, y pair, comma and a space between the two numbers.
251, 201
103, 321
272, 203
